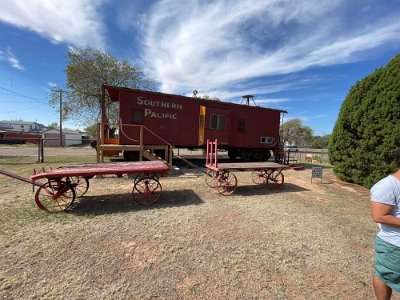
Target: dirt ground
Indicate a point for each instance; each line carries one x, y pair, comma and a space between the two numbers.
307, 241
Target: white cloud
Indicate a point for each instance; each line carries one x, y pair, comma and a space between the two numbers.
190, 44
268, 101
11, 59
52, 84
74, 21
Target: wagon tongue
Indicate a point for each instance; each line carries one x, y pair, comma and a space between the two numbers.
191, 164
17, 177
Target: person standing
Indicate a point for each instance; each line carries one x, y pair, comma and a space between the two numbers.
385, 205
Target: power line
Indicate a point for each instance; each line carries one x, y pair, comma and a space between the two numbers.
16, 110
22, 95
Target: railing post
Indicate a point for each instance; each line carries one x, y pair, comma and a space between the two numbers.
207, 151
99, 128
216, 153
141, 136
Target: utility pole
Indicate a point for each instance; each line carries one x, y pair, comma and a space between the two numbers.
61, 132
61, 118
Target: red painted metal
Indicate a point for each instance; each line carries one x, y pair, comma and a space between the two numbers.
212, 162
63, 184
212, 153
20, 137
115, 168
177, 120
220, 175
147, 191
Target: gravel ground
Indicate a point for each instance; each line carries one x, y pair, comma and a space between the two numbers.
307, 241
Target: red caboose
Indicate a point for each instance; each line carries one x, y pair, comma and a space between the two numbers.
15, 137
248, 132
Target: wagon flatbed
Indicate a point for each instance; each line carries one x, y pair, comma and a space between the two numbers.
246, 166
115, 168
220, 176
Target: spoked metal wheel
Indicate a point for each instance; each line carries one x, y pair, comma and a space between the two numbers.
147, 191
259, 176
226, 183
81, 185
211, 178
276, 177
55, 196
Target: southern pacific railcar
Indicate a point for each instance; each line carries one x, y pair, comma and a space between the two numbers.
248, 132
14, 137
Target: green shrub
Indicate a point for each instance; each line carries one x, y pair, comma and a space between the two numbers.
368, 128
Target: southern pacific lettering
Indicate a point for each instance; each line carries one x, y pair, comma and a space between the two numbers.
159, 115
155, 103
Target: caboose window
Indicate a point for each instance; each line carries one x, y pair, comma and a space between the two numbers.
137, 116
217, 122
266, 140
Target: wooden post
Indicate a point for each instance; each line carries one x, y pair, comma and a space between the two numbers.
42, 150
141, 143
61, 128
98, 143
103, 106
38, 152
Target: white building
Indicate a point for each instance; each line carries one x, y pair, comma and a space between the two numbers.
52, 137
21, 126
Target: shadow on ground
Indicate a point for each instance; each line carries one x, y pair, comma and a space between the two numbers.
120, 203
267, 189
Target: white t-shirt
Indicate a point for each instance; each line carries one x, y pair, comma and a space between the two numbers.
387, 191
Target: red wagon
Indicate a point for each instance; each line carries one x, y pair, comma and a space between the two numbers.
220, 176
58, 188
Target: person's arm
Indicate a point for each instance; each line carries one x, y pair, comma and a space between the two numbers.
381, 213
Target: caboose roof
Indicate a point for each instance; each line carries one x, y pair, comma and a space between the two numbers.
113, 92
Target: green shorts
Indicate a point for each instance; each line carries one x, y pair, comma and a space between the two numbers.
387, 263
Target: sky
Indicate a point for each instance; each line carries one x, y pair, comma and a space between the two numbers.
298, 56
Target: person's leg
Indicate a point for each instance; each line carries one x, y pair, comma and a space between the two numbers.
382, 291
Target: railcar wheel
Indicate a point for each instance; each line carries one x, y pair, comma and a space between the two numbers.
267, 155
80, 184
147, 191
276, 177
226, 183
211, 178
259, 176
245, 155
55, 196
131, 155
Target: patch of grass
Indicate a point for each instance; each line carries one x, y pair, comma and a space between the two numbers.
310, 165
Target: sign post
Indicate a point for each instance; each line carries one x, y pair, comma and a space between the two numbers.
316, 172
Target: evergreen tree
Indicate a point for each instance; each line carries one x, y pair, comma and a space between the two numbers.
367, 130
